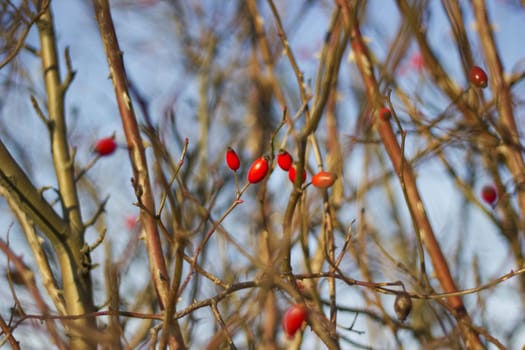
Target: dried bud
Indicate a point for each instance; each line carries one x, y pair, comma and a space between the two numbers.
402, 306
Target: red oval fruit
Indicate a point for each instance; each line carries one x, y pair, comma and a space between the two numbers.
478, 77
132, 221
323, 179
284, 159
232, 159
105, 146
489, 194
385, 113
258, 170
291, 174
294, 318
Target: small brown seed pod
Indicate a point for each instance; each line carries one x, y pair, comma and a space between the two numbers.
402, 306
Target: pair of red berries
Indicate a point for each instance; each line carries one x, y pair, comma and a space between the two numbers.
285, 162
257, 171
322, 179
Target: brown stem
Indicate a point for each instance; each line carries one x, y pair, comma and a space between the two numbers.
9, 335
137, 155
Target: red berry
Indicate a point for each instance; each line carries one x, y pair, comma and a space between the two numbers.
232, 159
291, 174
294, 318
284, 159
323, 179
258, 170
385, 113
478, 77
489, 194
105, 146
131, 222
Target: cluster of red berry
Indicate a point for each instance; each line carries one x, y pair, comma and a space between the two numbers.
260, 167
296, 315
257, 171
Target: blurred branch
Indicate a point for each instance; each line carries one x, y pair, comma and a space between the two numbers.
36, 244
9, 335
511, 138
22, 191
29, 281
264, 47
407, 178
22, 37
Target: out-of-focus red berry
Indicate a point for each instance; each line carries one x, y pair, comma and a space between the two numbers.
284, 159
478, 77
323, 179
291, 174
105, 146
294, 318
489, 194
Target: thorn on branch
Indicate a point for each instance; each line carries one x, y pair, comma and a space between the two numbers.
43, 189
99, 240
71, 163
40, 113
70, 73
97, 214
351, 328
